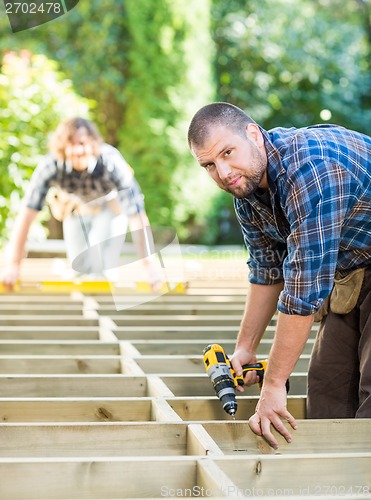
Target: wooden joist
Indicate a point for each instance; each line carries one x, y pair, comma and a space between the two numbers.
76, 385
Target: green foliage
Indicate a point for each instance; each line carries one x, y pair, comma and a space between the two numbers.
149, 65
163, 91
34, 96
294, 62
141, 62
91, 45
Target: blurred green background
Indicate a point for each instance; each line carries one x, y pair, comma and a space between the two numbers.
141, 68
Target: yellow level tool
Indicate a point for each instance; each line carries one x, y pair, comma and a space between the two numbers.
98, 287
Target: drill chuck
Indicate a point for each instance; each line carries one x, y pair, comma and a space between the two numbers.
224, 386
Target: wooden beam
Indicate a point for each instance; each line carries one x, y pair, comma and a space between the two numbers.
41, 332
191, 347
53, 320
173, 310
190, 364
21, 310
77, 409
162, 411
178, 320
94, 478
60, 364
312, 436
214, 481
106, 439
199, 442
200, 385
210, 409
167, 299
183, 331
55, 386
59, 348
323, 475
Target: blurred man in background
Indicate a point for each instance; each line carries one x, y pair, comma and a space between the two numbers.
92, 190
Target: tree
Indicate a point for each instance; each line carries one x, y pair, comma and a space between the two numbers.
168, 80
294, 62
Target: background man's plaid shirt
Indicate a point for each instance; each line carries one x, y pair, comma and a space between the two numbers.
109, 174
318, 219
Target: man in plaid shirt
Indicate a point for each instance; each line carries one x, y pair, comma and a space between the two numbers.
303, 200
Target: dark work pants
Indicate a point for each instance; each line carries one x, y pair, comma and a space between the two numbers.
339, 377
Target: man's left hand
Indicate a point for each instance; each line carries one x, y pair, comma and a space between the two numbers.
270, 409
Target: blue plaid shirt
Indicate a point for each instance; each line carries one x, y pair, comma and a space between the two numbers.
316, 218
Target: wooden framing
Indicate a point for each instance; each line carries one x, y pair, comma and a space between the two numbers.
77, 409
97, 403
188, 385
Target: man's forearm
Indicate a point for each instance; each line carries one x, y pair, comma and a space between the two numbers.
15, 252
142, 236
291, 335
261, 304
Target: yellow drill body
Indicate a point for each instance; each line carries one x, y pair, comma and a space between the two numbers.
224, 378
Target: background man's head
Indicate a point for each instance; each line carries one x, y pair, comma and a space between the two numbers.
76, 140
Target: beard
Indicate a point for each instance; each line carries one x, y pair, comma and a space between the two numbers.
248, 183
247, 186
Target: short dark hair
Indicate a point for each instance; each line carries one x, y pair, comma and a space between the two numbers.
216, 114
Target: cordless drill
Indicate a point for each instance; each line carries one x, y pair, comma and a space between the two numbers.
224, 378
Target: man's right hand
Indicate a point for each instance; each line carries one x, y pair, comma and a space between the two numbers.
241, 357
10, 276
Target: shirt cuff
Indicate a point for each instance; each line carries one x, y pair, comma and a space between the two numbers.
288, 304
265, 275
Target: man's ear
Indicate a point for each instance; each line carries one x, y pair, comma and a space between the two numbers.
253, 132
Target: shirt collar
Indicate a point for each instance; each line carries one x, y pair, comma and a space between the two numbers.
274, 168
92, 163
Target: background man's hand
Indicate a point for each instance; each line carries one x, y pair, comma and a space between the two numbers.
270, 409
10, 276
